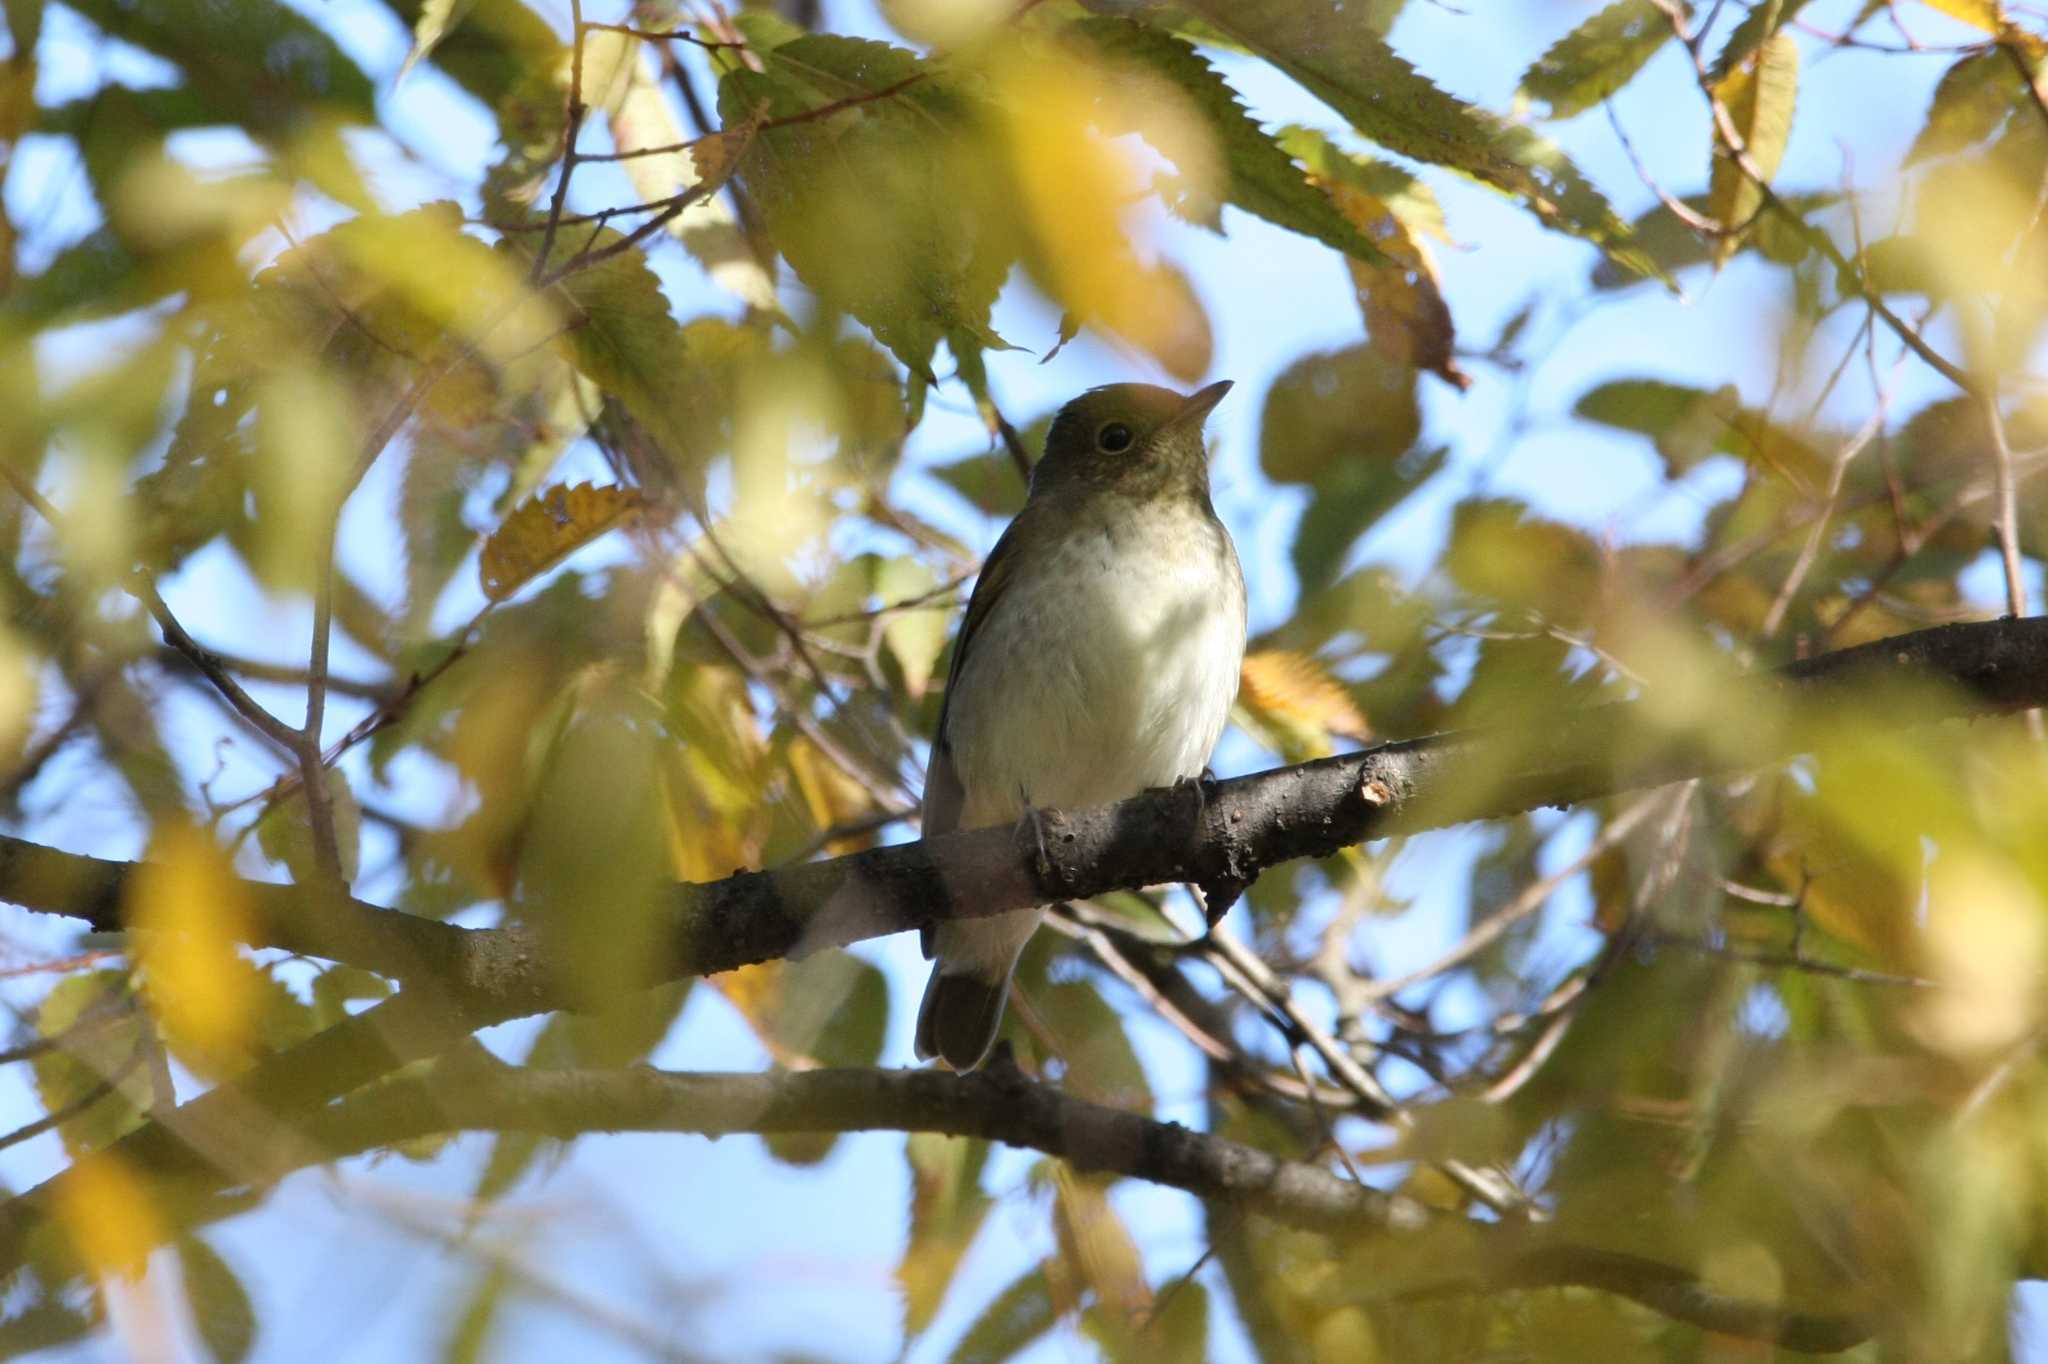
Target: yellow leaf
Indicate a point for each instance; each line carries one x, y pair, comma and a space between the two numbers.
1985, 14
109, 1214
1403, 302
832, 797
1074, 183
1094, 1242
1295, 691
544, 530
1759, 97
189, 911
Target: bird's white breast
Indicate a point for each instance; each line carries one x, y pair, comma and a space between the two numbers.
1108, 665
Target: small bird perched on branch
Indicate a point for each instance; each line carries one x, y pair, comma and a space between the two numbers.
1098, 658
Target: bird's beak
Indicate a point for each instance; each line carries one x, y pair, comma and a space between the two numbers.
1198, 405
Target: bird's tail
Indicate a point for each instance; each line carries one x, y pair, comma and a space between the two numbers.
959, 1017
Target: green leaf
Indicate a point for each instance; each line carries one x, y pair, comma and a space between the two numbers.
1357, 73
1335, 406
889, 209
264, 66
1764, 19
1674, 245
1019, 1315
1406, 195
220, 1304
947, 1208
340, 985
285, 831
1264, 179
1350, 496
619, 80
436, 20
1087, 1037
104, 1029
1597, 58
498, 46
1970, 104
833, 1007
1759, 99
627, 341
1686, 424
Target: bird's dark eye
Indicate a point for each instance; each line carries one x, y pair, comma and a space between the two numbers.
1114, 436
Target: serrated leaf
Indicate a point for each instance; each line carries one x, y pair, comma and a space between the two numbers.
625, 338
618, 79
1597, 58
947, 1208
889, 209
221, 1310
1338, 405
1759, 98
437, 19
544, 530
108, 1031
1264, 178
1295, 696
1675, 246
285, 831
1356, 72
1971, 102
1765, 18
1018, 1315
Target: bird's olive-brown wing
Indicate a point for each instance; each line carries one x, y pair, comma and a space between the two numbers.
943, 794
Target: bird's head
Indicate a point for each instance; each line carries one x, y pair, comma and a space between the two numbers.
1134, 438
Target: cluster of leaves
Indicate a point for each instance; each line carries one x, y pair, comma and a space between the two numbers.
726, 656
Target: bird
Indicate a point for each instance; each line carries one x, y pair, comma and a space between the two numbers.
1099, 657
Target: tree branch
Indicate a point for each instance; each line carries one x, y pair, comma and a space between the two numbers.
473, 1091
1221, 839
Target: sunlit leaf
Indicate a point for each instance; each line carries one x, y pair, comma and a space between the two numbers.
1597, 58
618, 79
1299, 704
1263, 178
438, 18
1074, 182
107, 1210
189, 911
888, 209
1972, 101
1759, 97
544, 530
1356, 72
